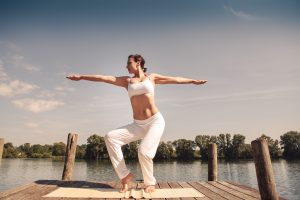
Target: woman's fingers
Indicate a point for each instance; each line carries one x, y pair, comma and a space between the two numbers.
73, 77
197, 82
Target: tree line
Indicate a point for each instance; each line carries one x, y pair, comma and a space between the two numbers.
229, 147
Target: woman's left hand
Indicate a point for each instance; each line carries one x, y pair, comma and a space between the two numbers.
198, 82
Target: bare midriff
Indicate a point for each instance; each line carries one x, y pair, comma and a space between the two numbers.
143, 106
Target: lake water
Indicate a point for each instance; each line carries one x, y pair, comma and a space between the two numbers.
15, 172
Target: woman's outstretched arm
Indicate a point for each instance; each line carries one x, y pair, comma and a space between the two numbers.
161, 79
115, 80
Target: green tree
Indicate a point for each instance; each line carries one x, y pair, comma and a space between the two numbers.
130, 150
237, 146
202, 142
59, 149
290, 143
81, 151
26, 149
164, 151
9, 151
246, 151
184, 149
96, 147
224, 145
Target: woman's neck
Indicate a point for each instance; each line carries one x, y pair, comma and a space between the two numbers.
140, 74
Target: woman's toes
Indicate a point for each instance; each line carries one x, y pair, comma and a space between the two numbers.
150, 188
125, 188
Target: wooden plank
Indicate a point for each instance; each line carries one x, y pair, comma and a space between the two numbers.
219, 191
92, 184
232, 191
177, 185
251, 192
28, 192
210, 194
20, 193
186, 185
114, 184
11, 191
84, 184
42, 189
251, 189
157, 186
59, 183
212, 190
163, 185
174, 185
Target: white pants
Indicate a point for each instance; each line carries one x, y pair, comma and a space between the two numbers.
150, 130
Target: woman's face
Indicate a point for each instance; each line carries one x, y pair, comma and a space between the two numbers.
132, 66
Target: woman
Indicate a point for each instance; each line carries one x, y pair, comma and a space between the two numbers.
148, 123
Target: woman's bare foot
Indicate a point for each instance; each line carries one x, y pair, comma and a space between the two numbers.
125, 182
150, 188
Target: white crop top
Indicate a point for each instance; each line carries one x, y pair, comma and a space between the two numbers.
142, 87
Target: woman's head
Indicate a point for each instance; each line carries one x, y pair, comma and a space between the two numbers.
134, 62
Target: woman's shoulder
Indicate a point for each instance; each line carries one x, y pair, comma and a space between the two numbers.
150, 74
128, 79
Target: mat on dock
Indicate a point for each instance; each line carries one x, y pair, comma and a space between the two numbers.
74, 192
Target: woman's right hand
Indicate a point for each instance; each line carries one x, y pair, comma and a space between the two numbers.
74, 77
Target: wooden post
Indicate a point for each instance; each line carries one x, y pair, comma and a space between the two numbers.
1, 147
70, 157
212, 162
264, 170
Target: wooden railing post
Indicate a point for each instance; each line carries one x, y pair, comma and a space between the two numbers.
212, 162
264, 170
1, 147
70, 157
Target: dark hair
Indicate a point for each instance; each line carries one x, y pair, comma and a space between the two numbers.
137, 58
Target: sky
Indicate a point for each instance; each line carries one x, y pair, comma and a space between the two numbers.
248, 51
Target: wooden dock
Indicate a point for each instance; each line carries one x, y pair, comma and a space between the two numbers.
218, 190
211, 189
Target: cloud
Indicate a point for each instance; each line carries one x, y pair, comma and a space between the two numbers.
34, 127
62, 89
239, 14
30, 67
3, 74
37, 105
38, 131
11, 54
45, 94
31, 125
16, 87
18, 60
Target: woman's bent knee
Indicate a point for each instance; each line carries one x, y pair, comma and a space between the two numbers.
147, 154
108, 136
